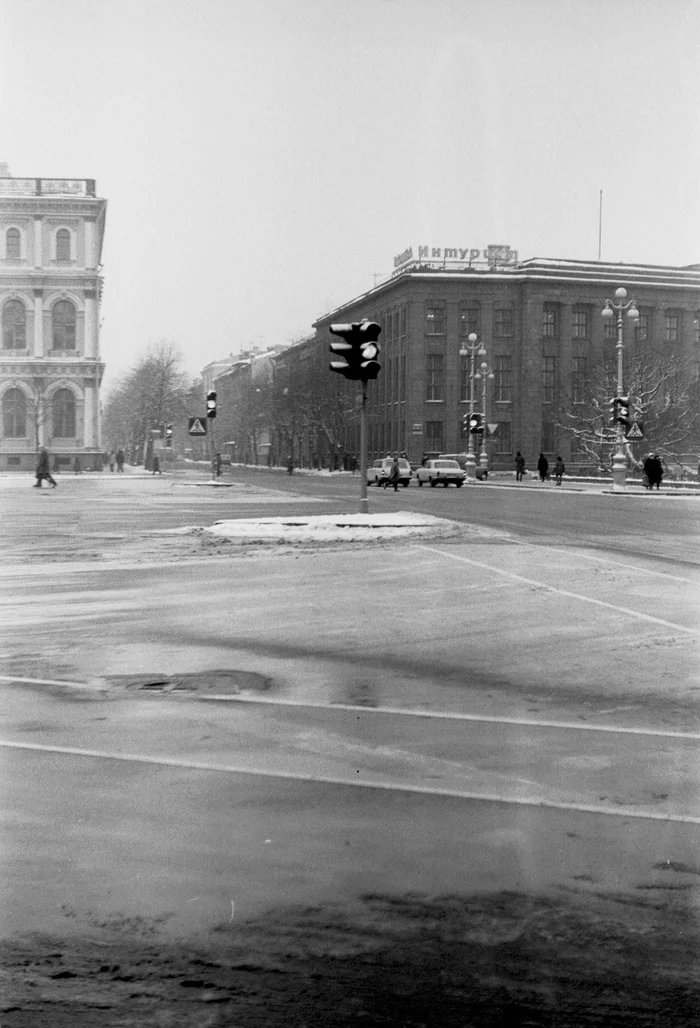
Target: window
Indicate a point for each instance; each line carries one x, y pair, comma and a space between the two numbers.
503, 321
63, 325
579, 325
503, 379
433, 436
548, 380
671, 328
396, 324
549, 437
434, 319
63, 414
578, 379
502, 438
14, 414
434, 376
550, 322
403, 321
464, 378
63, 245
12, 244
14, 326
641, 329
469, 321
610, 328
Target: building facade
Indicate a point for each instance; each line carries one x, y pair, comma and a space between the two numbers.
51, 235
539, 322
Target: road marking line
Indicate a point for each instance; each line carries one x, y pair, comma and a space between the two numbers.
196, 765
437, 715
606, 560
563, 592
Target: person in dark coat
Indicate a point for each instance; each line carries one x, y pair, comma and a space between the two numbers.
543, 467
120, 461
653, 469
394, 475
559, 469
43, 469
519, 466
156, 464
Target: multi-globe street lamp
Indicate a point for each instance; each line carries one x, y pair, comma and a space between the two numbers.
471, 349
619, 467
483, 373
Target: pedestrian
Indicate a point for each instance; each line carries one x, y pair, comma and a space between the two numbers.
394, 475
120, 461
77, 469
290, 466
657, 470
218, 465
111, 461
43, 469
519, 466
156, 464
543, 467
559, 469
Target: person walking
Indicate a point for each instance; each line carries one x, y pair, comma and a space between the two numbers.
654, 470
111, 460
43, 469
394, 475
559, 469
77, 467
156, 464
543, 467
120, 461
519, 466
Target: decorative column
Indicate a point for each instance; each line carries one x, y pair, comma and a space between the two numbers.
90, 263
90, 325
38, 242
39, 323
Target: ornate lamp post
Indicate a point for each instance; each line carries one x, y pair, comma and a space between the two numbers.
483, 373
619, 468
471, 349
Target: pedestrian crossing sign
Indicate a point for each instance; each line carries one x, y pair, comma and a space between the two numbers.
635, 431
197, 426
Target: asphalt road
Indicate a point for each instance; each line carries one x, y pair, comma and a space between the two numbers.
244, 732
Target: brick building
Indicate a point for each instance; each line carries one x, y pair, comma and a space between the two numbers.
51, 234
540, 323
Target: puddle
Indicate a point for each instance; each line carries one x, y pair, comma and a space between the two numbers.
219, 683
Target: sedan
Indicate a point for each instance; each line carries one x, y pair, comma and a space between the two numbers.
443, 471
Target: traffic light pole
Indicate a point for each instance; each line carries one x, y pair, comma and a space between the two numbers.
212, 449
364, 506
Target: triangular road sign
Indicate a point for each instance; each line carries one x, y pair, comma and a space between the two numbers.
635, 431
197, 426
492, 427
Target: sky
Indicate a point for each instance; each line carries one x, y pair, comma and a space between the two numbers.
264, 161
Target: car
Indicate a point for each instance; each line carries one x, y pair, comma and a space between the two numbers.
461, 458
378, 473
441, 470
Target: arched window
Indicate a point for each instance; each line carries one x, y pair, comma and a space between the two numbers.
63, 414
12, 244
14, 326
63, 325
63, 245
14, 414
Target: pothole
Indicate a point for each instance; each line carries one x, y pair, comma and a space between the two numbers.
219, 682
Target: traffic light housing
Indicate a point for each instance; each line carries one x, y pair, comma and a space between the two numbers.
211, 404
476, 423
620, 410
168, 435
359, 350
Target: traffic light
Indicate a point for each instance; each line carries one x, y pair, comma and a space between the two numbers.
620, 410
359, 350
168, 435
211, 404
476, 423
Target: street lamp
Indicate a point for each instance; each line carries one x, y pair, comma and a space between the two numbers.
471, 349
483, 373
619, 468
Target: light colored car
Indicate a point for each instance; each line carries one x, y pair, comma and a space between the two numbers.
378, 473
442, 471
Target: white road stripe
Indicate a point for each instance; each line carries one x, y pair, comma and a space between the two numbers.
438, 715
606, 560
563, 592
195, 765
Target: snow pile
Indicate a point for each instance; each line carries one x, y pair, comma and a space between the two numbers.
335, 527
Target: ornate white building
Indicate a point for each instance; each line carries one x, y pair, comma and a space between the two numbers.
51, 233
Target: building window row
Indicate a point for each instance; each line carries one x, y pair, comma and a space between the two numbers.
13, 245
63, 326
14, 414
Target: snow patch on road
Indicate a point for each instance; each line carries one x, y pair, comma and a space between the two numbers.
336, 527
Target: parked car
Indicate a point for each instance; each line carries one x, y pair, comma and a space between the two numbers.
461, 458
442, 471
378, 473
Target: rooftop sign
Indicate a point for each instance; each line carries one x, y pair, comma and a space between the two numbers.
490, 255
47, 187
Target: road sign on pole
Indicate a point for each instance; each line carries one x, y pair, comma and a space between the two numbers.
197, 426
635, 431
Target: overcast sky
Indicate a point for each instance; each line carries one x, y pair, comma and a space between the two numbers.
263, 161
